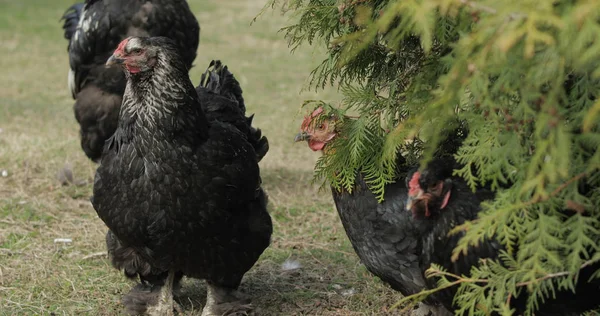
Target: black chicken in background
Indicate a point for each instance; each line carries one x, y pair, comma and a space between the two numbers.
440, 201
383, 235
180, 194
94, 29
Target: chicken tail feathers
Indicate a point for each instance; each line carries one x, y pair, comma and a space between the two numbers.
230, 86
210, 79
71, 18
259, 142
218, 79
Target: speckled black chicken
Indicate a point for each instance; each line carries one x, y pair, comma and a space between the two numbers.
383, 235
94, 29
439, 202
180, 194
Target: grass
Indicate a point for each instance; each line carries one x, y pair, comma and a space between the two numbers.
39, 139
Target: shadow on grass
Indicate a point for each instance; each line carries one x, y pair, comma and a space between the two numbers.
313, 288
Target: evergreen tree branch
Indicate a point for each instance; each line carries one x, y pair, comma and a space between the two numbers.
479, 6
435, 271
555, 275
523, 75
521, 206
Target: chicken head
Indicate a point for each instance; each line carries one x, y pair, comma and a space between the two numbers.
134, 54
429, 190
317, 129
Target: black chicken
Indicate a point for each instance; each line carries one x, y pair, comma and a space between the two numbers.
94, 29
426, 205
383, 235
180, 195
439, 202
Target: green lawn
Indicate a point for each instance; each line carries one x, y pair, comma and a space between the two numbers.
39, 139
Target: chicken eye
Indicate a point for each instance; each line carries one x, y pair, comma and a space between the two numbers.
136, 51
436, 187
322, 126
432, 187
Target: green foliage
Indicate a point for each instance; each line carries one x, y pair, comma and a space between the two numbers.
525, 77
354, 152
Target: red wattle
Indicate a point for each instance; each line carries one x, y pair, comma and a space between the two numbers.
132, 69
315, 145
445, 201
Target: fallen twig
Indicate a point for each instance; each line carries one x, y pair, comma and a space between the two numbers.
95, 255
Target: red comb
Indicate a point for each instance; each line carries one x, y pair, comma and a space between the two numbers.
413, 184
308, 118
121, 46
317, 111
305, 123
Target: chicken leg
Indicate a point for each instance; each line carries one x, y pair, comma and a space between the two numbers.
225, 301
166, 304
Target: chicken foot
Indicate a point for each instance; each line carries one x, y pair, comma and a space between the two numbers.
224, 301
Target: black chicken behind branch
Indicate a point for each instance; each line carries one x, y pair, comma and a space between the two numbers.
180, 195
383, 235
439, 202
94, 29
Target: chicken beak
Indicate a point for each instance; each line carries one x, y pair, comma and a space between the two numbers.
409, 203
411, 200
114, 60
301, 136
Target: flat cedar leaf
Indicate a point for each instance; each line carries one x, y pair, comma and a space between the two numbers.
423, 16
508, 40
586, 10
449, 7
591, 117
562, 152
